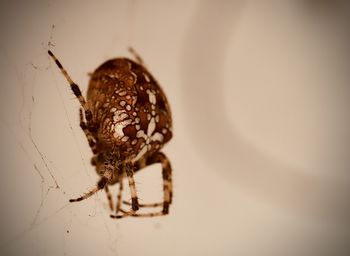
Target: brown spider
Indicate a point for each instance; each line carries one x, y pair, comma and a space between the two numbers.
127, 120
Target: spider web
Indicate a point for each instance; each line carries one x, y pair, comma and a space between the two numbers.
41, 189
41, 171
45, 160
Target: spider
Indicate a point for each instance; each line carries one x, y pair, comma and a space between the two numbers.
127, 120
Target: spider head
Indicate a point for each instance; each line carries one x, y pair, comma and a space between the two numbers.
108, 164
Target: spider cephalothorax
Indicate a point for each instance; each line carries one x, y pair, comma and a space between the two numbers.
127, 120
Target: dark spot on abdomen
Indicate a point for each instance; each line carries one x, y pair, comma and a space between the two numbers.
130, 131
142, 98
143, 120
161, 103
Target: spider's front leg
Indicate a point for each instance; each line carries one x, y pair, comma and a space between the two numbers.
106, 178
74, 87
84, 126
100, 185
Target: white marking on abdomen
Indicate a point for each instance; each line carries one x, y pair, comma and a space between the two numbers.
151, 127
157, 137
152, 97
140, 154
118, 128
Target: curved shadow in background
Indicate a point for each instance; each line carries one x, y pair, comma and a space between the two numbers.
217, 142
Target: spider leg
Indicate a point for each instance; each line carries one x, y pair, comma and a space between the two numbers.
127, 214
100, 185
167, 187
136, 56
119, 196
74, 87
145, 205
109, 197
128, 169
134, 200
159, 157
91, 139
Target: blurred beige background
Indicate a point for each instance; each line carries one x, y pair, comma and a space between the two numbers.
260, 97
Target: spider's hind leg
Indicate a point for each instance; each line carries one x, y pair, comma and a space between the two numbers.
167, 187
136, 56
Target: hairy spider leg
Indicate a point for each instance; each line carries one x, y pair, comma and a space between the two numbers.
157, 157
136, 56
161, 158
100, 185
91, 139
130, 175
109, 197
145, 205
75, 88
119, 196
128, 170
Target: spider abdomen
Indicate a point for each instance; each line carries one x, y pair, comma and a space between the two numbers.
130, 108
